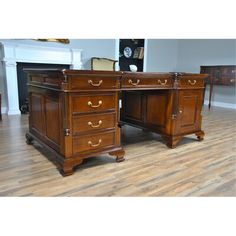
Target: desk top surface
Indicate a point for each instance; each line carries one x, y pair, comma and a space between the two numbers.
114, 73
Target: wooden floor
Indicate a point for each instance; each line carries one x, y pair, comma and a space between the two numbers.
206, 168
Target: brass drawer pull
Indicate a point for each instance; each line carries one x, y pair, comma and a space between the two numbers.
162, 83
95, 85
95, 106
192, 83
133, 83
95, 126
95, 145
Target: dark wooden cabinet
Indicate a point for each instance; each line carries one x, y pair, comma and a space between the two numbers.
134, 55
75, 114
219, 75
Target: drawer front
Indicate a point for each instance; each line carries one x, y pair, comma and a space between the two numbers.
230, 81
84, 123
93, 103
137, 82
228, 76
93, 142
94, 82
191, 82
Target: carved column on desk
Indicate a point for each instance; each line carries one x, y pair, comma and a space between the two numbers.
173, 139
67, 163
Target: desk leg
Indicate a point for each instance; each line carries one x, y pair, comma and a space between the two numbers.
204, 92
119, 155
66, 169
172, 141
200, 135
210, 95
29, 138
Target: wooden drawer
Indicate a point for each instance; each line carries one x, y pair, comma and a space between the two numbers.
189, 82
229, 81
84, 123
93, 103
134, 82
45, 80
228, 76
93, 142
91, 82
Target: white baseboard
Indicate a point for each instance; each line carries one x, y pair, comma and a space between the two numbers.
4, 110
221, 104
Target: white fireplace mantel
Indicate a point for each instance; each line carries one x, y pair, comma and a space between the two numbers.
11, 53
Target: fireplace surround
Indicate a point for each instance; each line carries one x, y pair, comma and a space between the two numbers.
11, 53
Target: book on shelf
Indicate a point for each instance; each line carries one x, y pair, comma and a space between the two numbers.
141, 53
138, 53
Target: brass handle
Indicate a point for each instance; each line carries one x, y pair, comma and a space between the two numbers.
162, 83
95, 106
95, 85
180, 111
95, 126
192, 83
95, 145
133, 83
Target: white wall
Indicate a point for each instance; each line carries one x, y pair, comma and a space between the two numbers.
192, 53
161, 55
95, 48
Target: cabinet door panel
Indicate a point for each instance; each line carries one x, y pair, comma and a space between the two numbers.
189, 115
133, 106
156, 109
52, 120
36, 112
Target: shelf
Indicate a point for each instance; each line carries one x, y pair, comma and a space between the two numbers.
130, 58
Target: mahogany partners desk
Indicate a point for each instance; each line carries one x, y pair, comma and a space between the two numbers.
75, 113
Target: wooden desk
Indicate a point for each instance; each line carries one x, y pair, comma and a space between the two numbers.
75, 113
219, 75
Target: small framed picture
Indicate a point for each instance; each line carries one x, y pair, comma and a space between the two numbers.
127, 52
